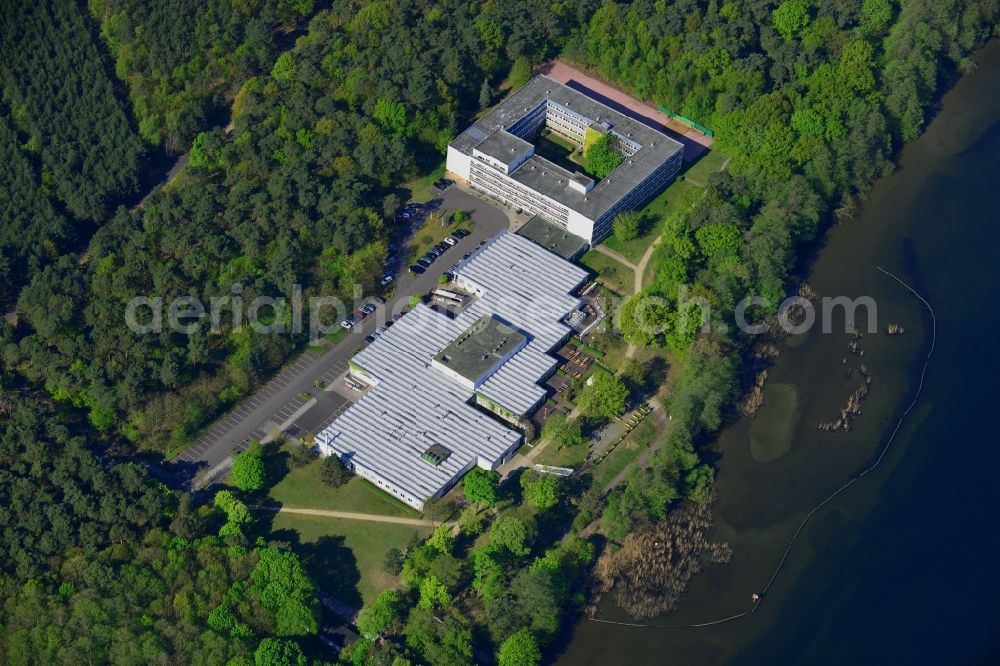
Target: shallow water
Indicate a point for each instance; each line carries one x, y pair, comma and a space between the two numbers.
901, 566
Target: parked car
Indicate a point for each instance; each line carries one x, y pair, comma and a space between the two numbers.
370, 338
360, 314
442, 247
424, 262
417, 269
378, 300
386, 280
348, 323
368, 309
450, 241
380, 330
460, 233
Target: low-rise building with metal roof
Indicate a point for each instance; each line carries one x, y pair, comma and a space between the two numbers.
446, 389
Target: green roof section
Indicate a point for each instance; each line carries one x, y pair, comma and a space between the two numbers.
553, 238
481, 348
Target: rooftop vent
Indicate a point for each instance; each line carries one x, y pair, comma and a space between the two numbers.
435, 455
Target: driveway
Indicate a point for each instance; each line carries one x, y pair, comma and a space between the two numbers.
281, 401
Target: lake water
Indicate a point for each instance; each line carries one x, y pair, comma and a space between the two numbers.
902, 566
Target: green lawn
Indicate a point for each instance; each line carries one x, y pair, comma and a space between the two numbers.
614, 274
432, 232
301, 488
421, 188
560, 151
562, 456
612, 346
345, 557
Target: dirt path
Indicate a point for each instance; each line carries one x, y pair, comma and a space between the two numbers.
617, 256
350, 515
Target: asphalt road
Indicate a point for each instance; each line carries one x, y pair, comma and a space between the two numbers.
281, 398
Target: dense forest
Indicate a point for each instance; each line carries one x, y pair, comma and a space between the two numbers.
300, 192
32, 231
184, 60
60, 96
101, 564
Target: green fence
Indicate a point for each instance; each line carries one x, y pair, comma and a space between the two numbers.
687, 121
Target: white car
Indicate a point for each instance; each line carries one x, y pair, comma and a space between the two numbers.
386, 280
450, 241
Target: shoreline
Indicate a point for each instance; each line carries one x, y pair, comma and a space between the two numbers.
695, 599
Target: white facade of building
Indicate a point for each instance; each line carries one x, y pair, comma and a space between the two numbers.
495, 157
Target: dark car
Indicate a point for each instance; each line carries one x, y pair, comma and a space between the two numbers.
460, 233
424, 262
419, 270
370, 338
442, 247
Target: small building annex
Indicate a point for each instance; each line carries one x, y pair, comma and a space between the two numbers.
446, 388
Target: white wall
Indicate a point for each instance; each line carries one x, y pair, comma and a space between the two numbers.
580, 225
459, 163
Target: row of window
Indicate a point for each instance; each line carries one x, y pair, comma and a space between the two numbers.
511, 192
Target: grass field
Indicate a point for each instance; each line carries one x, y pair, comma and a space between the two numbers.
681, 194
302, 488
560, 151
614, 274
565, 456
432, 232
345, 557
420, 188
624, 454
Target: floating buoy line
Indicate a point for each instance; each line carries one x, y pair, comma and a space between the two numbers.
757, 598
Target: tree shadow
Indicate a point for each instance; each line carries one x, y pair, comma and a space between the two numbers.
276, 465
333, 566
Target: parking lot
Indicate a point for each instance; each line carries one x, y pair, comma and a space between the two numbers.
280, 398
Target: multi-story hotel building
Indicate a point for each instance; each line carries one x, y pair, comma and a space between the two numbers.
496, 156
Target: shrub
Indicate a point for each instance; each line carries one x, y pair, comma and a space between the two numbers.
333, 472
